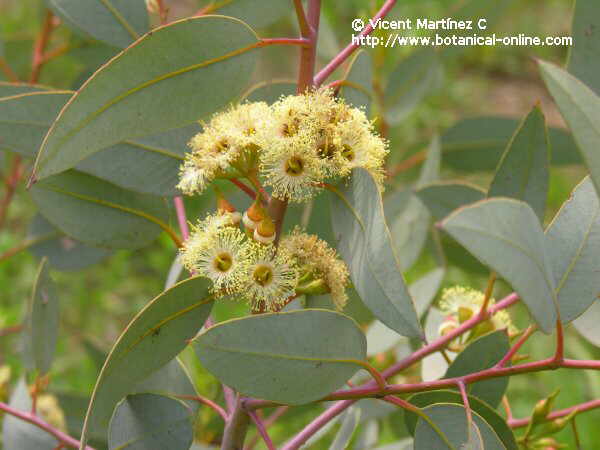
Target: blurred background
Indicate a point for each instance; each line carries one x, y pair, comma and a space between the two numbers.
464, 83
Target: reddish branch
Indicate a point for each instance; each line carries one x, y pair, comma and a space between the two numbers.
63, 438
207, 402
262, 429
346, 52
11, 183
163, 12
587, 406
40, 46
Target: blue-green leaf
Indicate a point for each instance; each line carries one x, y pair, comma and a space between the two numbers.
315, 352
364, 241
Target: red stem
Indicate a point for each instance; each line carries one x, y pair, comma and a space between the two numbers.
262, 430
346, 52
515, 348
40, 45
465, 399
162, 11
207, 402
587, 406
244, 187
305, 28
35, 420
181, 217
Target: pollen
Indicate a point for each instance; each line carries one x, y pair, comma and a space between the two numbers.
271, 278
318, 261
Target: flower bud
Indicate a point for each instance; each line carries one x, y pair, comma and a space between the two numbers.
542, 408
314, 287
265, 231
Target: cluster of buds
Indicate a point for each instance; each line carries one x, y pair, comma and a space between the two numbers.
294, 145
258, 223
540, 429
246, 264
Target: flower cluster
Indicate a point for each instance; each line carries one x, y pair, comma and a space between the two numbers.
295, 145
266, 276
459, 304
319, 266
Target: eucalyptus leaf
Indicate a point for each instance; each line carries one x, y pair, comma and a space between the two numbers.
18, 434
63, 252
26, 117
357, 83
315, 352
364, 242
256, 14
409, 228
451, 420
524, 170
583, 54
414, 78
98, 213
42, 321
148, 165
483, 353
478, 143
381, 338
151, 422
140, 92
587, 324
441, 198
173, 380
580, 107
573, 243
506, 235
270, 92
153, 338
116, 22
490, 415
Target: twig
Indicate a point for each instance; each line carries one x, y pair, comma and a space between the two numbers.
35, 420
163, 12
40, 45
10, 74
244, 187
465, 399
559, 355
262, 430
181, 217
507, 408
236, 427
407, 164
305, 28
346, 52
488, 293
576, 434
279, 411
517, 346
582, 407
207, 402
11, 183
29, 243
11, 330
